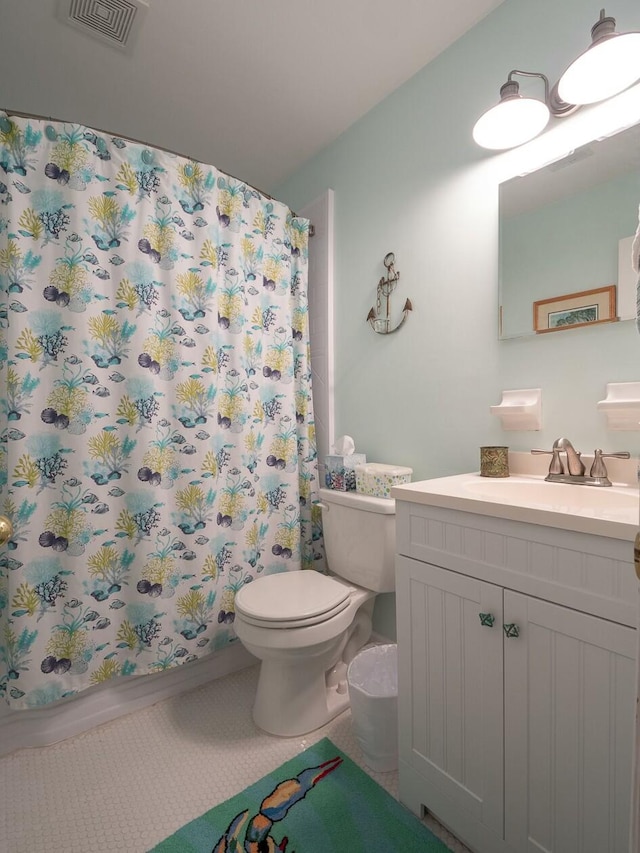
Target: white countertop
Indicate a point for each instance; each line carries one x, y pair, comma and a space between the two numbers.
611, 511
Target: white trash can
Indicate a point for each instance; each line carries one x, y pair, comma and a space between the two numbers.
372, 677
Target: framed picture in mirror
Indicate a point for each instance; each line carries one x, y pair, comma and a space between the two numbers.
573, 310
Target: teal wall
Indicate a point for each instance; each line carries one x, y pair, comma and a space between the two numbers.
408, 179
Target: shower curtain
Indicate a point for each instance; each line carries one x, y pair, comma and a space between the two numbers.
157, 442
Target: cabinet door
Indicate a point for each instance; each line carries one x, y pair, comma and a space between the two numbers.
569, 707
450, 699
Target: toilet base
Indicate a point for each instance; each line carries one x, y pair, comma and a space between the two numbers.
288, 704
303, 672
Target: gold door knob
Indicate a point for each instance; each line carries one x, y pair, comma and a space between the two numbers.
6, 529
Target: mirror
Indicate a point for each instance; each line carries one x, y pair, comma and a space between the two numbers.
565, 240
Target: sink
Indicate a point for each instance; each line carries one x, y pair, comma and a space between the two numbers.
601, 510
560, 497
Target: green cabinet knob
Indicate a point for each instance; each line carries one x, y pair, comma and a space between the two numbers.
511, 630
487, 619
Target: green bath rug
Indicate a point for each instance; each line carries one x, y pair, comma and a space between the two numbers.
318, 802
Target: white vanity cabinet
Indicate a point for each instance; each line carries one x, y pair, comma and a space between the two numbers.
516, 655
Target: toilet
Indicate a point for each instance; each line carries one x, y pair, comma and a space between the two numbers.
305, 627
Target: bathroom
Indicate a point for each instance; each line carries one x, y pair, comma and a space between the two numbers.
408, 178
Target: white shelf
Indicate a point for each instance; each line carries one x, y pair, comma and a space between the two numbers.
520, 409
622, 405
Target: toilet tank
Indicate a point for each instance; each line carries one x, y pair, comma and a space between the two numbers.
360, 538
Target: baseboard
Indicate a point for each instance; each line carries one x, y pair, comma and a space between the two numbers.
106, 702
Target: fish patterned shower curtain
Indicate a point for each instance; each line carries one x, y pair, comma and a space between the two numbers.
157, 442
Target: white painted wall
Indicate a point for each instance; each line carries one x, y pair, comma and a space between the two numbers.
321, 320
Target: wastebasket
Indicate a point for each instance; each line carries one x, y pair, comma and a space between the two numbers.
372, 677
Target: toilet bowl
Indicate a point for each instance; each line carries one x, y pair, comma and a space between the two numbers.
305, 627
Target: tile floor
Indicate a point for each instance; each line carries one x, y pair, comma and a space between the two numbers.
126, 785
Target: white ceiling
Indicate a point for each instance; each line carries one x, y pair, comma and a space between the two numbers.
254, 87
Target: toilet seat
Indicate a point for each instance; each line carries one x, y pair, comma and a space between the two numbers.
292, 600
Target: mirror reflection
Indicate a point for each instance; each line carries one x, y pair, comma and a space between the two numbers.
565, 240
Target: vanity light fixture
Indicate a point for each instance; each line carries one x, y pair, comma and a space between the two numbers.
516, 119
610, 65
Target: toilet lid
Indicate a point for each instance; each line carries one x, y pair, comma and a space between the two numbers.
300, 597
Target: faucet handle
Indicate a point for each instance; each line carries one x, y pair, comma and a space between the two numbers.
599, 469
555, 467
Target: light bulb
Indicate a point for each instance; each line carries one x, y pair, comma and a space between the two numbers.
610, 65
606, 68
511, 122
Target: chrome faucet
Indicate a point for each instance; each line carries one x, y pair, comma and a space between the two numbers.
571, 470
575, 466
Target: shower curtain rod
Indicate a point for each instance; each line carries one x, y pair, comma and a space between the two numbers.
21, 114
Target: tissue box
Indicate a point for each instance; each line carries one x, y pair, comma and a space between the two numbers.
376, 479
340, 471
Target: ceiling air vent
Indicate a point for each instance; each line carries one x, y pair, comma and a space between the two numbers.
114, 22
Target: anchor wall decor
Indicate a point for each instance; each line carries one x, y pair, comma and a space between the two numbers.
380, 318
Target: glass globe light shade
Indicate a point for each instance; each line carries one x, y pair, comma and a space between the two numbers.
606, 68
512, 122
